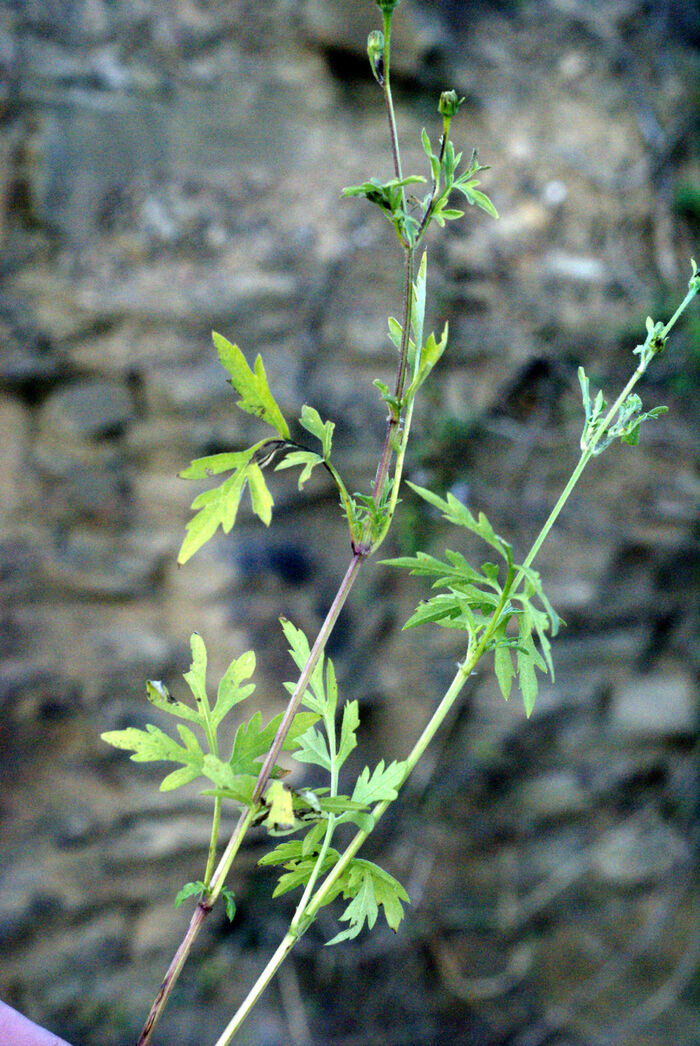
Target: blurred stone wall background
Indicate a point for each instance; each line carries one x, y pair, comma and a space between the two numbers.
169, 167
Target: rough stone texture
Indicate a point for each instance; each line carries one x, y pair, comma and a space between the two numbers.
166, 169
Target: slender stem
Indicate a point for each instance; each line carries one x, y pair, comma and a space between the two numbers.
283, 950
407, 316
586, 456
692, 291
171, 976
398, 472
213, 840
198, 916
436, 182
216, 818
218, 879
393, 421
316, 650
388, 98
595, 439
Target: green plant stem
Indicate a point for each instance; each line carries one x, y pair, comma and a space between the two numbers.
314, 654
693, 289
398, 472
213, 840
302, 920
245, 819
586, 456
216, 818
393, 421
396, 153
284, 948
595, 439
436, 183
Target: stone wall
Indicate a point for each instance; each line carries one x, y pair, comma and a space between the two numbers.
167, 169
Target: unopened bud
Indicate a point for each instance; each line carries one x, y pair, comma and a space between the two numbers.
387, 6
449, 103
375, 51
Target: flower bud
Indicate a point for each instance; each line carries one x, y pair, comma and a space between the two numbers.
387, 6
375, 51
449, 103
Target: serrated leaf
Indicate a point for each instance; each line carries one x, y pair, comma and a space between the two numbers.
178, 778
231, 692
190, 890
313, 749
442, 609
237, 786
527, 680
159, 695
388, 891
300, 872
475, 196
382, 783
196, 676
315, 697
252, 740
260, 496
202, 468
283, 853
323, 430
217, 508
230, 902
149, 745
306, 458
503, 664
529, 659
369, 887
362, 909
455, 512
251, 385
348, 740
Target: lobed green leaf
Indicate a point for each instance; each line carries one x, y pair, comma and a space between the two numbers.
323, 430
251, 385
306, 458
231, 691
380, 784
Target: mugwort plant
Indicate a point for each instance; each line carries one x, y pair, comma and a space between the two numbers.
498, 605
